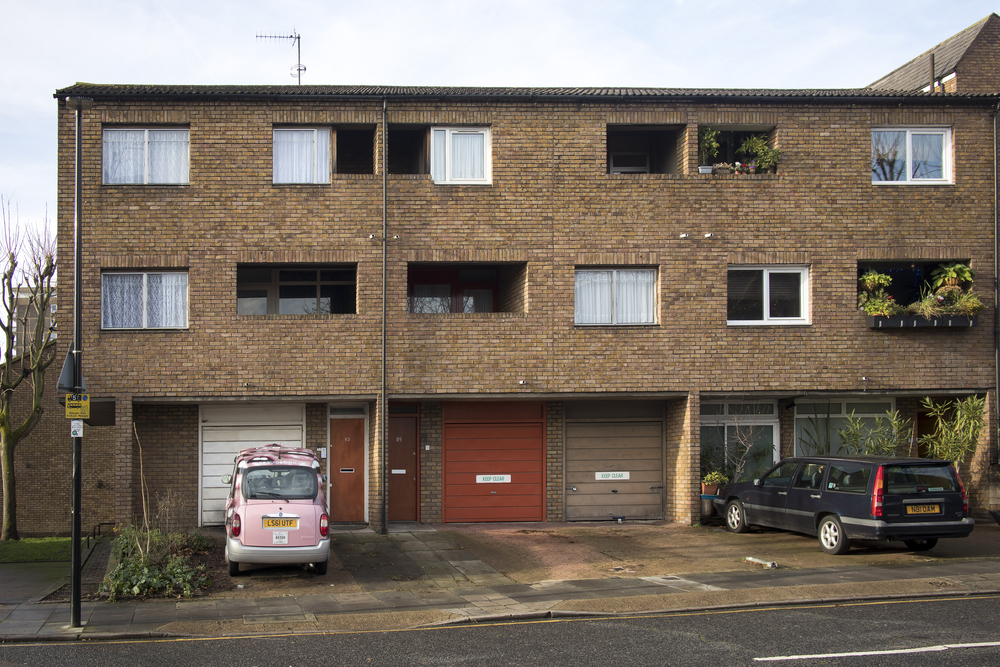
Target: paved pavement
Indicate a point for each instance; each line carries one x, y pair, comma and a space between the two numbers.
419, 576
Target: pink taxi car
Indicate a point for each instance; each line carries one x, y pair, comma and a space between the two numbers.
276, 511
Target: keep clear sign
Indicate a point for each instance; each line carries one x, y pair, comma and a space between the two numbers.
610, 475
492, 479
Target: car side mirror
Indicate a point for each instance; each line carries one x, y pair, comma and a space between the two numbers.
756, 482
227, 479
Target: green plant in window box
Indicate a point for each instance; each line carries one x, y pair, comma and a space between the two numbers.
708, 144
872, 279
952, 274
879, 303
763, 157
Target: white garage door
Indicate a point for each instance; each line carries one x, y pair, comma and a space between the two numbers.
220, 444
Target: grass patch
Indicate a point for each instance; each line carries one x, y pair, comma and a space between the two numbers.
35, 549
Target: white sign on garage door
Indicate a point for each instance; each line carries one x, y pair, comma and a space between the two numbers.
220, 444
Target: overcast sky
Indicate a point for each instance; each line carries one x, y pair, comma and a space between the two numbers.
50, 44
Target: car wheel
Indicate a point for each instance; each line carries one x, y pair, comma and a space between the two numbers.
234, 568
321, 567
736, 518
921, 545
831, 536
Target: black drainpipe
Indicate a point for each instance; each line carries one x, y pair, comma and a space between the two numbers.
995, 455
384, 408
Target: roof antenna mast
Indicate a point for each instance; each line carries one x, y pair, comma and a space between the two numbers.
298, 68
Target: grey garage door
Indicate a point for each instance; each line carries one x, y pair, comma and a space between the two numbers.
614, 469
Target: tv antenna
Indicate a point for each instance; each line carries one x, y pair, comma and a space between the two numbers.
298, 68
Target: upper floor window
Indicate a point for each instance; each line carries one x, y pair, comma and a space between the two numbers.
460, 155
296, 290
642, 149
443, 288
615, 296
145, 156
144, 300
911, 155
302, 155
768, 295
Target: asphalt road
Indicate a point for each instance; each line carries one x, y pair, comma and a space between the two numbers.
949, 631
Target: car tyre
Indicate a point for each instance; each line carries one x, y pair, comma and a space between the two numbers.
921, 545
321, 567
234, 568
831, 536
736, 518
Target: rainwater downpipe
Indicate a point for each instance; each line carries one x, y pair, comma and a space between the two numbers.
383, 408
996, 290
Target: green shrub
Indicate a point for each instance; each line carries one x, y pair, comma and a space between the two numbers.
152, 562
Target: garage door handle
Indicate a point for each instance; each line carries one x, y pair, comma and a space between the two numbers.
653, 488
571, 488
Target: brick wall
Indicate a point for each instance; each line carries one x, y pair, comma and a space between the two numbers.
431, 462
555, 448
168, 438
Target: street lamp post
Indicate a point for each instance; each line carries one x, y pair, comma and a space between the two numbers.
78, 104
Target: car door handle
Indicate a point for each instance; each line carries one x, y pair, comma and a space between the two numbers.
815, 496
782, 493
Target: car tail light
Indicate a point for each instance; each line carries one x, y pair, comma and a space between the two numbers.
877, 493
324, 525
961, 487
236, 525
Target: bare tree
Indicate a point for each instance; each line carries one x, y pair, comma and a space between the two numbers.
28, 333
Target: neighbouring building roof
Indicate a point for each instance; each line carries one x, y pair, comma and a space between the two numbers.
915, 75
110, 91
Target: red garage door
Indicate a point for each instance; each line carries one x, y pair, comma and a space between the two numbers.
494, 462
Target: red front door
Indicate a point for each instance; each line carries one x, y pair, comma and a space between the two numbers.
347, 470
402, 468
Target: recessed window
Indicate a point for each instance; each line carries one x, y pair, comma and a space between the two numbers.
615, 296
296, 290
145, 156
739, 439
768, 295
439, 288
818, 423
911, 155
302, 155
460, 155
642, 149
144, 300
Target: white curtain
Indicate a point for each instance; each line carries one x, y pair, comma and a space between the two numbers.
635, 296
166, 300
121, 300
124, 156
431, 299
125, 297
301, 156
467, 155
439, 159
168, 156
593, 297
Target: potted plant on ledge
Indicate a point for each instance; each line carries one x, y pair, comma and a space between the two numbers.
710, 483
708, 148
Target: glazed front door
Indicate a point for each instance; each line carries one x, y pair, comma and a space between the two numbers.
402, 468
347, 470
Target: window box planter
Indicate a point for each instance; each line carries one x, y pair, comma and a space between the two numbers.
916, 321
705, 169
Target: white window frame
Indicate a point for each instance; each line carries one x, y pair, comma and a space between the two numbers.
733, 414
441, 160
614, 296
320, 171
835, 408
946, 157
804, 286
184, 180
145, 296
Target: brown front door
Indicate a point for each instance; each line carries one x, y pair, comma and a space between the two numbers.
402, 468
347, 470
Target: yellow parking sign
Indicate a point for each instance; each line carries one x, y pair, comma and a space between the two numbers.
78, 406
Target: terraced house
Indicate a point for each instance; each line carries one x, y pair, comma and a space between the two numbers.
514, 304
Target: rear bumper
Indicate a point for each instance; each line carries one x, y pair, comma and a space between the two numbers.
871, 529
238, 553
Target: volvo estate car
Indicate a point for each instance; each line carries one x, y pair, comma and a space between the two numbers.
276, 510
839, 499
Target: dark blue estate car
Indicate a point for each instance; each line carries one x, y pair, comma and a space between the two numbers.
841, 499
